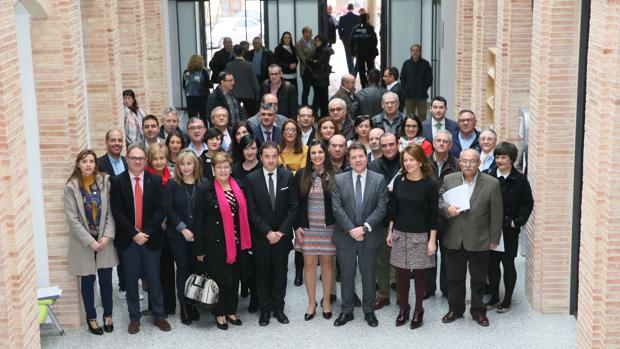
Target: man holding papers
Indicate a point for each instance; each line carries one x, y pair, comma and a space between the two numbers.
472, 229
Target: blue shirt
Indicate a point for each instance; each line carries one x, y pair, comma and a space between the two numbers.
256, 61
467, 142
117, 164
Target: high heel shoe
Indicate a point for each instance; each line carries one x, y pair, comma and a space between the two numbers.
108, 325
223, 326
402, 318
418, 317
94, 330
326, 315
308, 317
185, 317
236, 321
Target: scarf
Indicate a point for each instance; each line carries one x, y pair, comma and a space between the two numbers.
165, 176
229, 224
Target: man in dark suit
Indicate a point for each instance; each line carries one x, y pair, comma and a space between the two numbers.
346, 92
330, 25
305, 119
267, 130
224, 96
469, 235
416, 76
345, 27
136, 200
285, 91
438, 120
272, 203
220, 58
261, 58
359, 202
246, 86
391, 83
466, 137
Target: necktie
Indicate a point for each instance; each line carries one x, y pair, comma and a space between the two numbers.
438, 126
358, 198
268, 133
272, 191
137, 199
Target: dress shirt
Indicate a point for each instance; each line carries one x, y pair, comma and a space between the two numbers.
305, 136
391, 86
500, 174
117, 164
199, 151
363, 180
226, 140
470, 185
256, 62
467, 142
435, 122
439, 163
274, 177
485, 160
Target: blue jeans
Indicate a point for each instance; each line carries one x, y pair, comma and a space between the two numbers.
140, 260
87, 287
184, 258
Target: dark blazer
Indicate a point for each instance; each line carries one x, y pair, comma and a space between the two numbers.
416, 78
178, 207
153, 210
217, 99
312, 136
284, 58
456, 144
104, 165
345, 26
375, 209
262, 217
451, 166
287, 97
517, 198
265, 62
302, 212
481, 225
427, 127
218, 63
348, 98
246, 85
398, 89
368, 101
275, 137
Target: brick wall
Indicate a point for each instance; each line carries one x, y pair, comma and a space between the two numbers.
599, 267
157, 61
484, 36
512, 65
553, 92
18, 325
463, 49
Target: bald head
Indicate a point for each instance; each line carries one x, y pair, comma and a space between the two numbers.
348, 82
469, 162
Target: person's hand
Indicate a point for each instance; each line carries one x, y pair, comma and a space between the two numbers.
292, 65
492, 246
200, 258
431, 248
453, 211
388, 240
103, 242
273, 237
94, 246
187, 234
299, 235
357, 233
141, 238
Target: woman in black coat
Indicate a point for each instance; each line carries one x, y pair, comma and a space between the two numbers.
222, 235
319, 68
518, 205
286, 57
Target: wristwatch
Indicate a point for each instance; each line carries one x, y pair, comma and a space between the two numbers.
366, 228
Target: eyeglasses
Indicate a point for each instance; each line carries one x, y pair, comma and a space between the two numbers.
290, 130
411, 126
468, 162
137, 158
196, 128
335, 109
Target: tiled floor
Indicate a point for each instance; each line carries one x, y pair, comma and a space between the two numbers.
520, 328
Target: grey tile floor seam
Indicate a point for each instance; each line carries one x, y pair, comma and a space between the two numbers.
522, 327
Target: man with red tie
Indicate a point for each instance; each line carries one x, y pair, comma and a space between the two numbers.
137, 205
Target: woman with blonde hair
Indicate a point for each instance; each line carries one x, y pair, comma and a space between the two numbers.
196, 84
91, 227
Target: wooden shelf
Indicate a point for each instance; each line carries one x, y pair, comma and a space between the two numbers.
490, 96
491, 102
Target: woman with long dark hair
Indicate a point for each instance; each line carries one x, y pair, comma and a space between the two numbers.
250, 161
175, 143
411, 133
286, 57
362, 125
240, 129
320, 69
132, 118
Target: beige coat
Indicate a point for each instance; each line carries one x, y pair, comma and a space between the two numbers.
81, 257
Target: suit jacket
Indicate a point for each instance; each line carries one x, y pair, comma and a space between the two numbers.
311, 137
265, 62
218, 63
481, 225
427, 128
348, 98
368, 101
262, 217
217, 99
81, 257
374, 209
253, 120
246, 85
104, 165
398, 89
153, 210
456, 144
345, 26
304, 53
287, 97
275, 137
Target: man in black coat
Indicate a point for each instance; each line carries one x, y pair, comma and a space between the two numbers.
416, 76
261, 58
330, 25
345, 27
224, 96
286, 92
246, 86
272, 204
220, 58
136, 200
363, 44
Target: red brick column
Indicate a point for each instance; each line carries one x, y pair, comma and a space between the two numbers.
484, 36
553, 93
157, 62
463, 49
599, 267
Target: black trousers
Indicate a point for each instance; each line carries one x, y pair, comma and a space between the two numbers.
120, 271
271, 267
197, 106
363, 66
168, 282
431, 273
457, 262
320, 101
495, 274
306, 82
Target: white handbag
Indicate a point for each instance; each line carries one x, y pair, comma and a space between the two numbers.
201, 289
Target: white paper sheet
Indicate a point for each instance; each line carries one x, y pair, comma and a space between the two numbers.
500, 246
458, 196
49, 292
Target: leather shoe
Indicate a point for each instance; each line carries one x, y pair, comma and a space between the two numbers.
418, 318
482, 320
162, 324
327, 315
94, 329
403, 316
281, 317
356, 300
264, 319
492, 304
223, 326
380, 302
450, 317
343, 319
134, 327
371, 319
236, 321
108, 325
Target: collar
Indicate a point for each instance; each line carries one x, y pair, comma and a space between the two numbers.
440, 161
390, 86
471, 136
132, 177
266, 173
473, 180
203, 148
434, 121
363, 174
263, 129
501, 174
120, 158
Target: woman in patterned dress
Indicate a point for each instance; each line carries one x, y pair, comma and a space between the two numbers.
314, 226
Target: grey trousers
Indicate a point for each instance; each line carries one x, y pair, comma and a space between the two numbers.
349, 260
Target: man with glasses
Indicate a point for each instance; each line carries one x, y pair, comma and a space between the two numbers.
136, 201
196, 131
338, 112
438, 120
224, 96
390, 118
469, 235
266, 130
467, 137
284, 90
305, 119
391, 83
